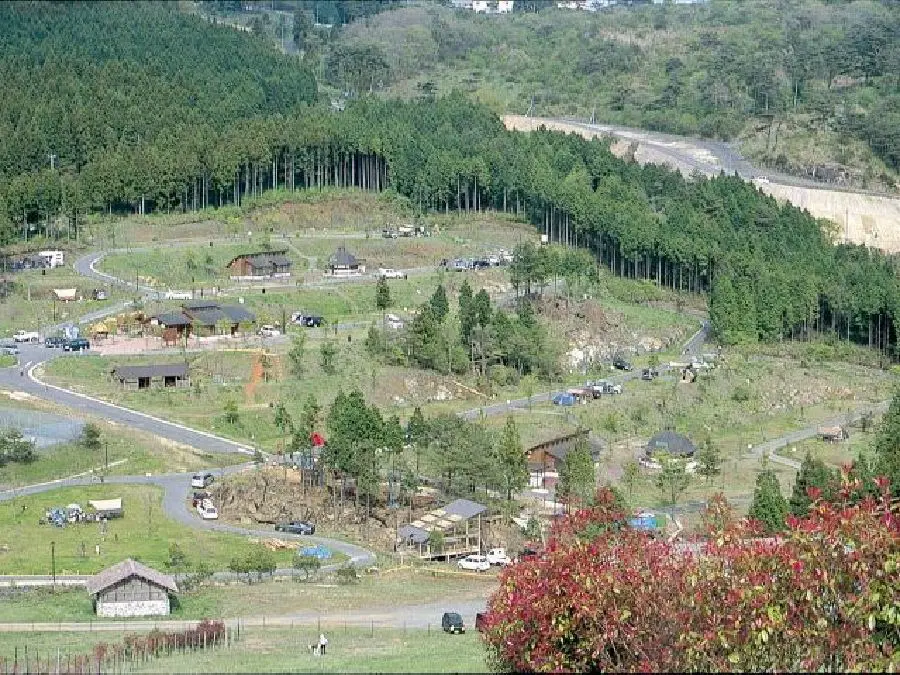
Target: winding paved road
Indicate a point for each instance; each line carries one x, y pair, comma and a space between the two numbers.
23, 379
176, 492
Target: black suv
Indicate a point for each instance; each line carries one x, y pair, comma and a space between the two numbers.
452, 622
621, 364
296, 527
54, 341
76, 345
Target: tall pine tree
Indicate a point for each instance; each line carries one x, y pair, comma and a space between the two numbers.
440, 306
511, 459
769, 506
814, 473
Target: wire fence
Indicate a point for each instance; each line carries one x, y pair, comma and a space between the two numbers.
130, 650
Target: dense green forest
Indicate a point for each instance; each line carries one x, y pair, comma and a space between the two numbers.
122, 99
810, 87
770, 269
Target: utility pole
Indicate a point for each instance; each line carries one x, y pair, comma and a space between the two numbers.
53, 562
106, 446
530, 108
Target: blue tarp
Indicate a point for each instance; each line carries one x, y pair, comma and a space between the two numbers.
318, 551
643, 522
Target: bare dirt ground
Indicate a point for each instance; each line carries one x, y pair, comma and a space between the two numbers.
860, 218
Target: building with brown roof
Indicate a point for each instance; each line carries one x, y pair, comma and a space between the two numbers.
131, 589
261, 265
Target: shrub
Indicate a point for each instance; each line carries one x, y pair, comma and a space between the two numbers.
741, 394
308, 564
347, 575
605, 597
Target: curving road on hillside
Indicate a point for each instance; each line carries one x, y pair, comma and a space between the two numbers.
24, 379
176, 492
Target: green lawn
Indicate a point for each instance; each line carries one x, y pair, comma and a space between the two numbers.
753, 396
182, 267
144, 533
350, 650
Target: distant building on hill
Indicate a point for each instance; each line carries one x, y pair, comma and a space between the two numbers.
261, 265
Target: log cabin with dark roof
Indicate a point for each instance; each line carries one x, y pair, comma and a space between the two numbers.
261, 265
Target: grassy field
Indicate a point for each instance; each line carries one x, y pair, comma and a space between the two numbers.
350, 650
31, 306
144, 533
269, 598
183, 267
303, 222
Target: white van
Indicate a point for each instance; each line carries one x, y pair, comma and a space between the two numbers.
53, 259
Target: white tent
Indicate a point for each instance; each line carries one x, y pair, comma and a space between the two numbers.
106, 504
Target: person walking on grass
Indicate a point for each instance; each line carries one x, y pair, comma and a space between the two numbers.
323, 641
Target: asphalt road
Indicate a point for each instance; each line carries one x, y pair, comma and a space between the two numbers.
23, 379
725, 157
420, 616
770, 447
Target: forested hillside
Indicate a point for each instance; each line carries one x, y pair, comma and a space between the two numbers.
123, 99
810, 87
139, 128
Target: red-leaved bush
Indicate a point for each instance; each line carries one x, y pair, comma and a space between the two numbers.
823, 596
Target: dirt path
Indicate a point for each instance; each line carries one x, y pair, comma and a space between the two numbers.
860, 218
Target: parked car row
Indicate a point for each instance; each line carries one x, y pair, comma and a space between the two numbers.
482, 563
405, 231
492, 260
52, 342
591, 390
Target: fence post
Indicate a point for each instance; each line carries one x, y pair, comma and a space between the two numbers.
429, 629
372, 631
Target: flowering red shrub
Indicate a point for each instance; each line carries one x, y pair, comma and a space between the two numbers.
824, 596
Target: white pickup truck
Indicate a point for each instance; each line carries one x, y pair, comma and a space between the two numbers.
26, 336
389, 273
497, 556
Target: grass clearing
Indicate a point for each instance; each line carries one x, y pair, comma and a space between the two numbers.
182, 267
282, 597
145, 534
350, 650
752, 396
